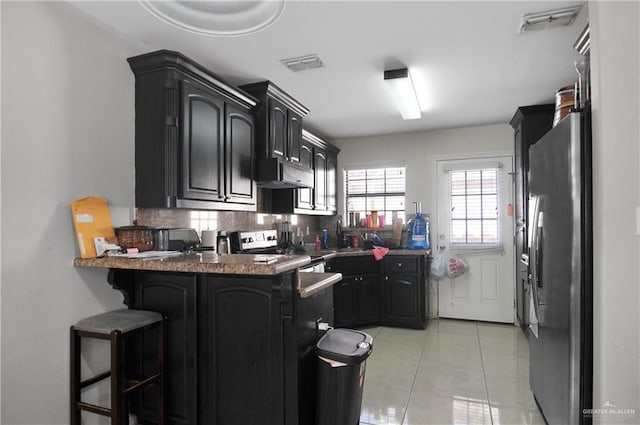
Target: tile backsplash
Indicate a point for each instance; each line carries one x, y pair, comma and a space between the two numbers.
227, 221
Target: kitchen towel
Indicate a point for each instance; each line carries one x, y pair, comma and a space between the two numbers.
379, 252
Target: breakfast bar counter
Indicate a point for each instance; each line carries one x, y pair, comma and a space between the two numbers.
241, 331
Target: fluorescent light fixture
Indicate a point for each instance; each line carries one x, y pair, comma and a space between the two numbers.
403, 93
549, 18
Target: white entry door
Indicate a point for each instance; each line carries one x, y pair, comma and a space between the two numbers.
475, 221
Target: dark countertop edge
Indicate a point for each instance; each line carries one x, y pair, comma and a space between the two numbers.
312, 283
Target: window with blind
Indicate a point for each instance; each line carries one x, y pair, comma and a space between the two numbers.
474, 208
379, 189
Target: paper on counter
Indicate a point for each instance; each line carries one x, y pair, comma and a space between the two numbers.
147, 255
92, 219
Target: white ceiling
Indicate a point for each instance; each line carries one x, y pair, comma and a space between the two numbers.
467, 59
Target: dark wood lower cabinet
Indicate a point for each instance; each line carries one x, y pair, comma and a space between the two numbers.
401, 300
405, 294
391, 292
240, 348
175, 296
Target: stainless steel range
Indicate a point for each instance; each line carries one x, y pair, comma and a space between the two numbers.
266, 242
254, 242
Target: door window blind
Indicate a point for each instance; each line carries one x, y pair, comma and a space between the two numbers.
474, 207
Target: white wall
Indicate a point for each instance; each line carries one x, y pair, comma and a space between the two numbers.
616, 137
419, 151
67, 132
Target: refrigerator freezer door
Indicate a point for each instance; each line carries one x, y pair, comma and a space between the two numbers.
556, 177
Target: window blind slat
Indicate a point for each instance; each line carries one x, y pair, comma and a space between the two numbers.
376, 188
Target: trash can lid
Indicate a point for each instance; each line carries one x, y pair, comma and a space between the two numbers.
345, 345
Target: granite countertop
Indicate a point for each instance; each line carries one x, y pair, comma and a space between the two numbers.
203, 262
312, 283
358, 252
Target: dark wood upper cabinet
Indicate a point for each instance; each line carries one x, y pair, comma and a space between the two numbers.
277, 143
320, 187
294, 126
279, 120
195, 136
202, 149
322, 199
530, 123
241, 188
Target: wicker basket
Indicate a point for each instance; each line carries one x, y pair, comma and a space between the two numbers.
135, 236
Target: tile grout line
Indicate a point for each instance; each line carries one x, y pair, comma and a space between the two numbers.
484, 374
415, 377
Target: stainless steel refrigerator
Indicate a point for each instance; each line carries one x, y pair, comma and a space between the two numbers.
560, 295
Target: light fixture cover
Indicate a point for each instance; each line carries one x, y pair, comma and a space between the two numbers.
403, 92
549, 18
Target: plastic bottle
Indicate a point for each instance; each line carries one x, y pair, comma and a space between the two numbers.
325, 239
318, 246
418, 230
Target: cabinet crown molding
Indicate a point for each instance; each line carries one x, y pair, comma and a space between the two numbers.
264, 89
163, 59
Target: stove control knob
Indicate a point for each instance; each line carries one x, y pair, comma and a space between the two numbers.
247, 240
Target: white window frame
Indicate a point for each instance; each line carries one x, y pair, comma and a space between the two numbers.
468, 167
370, 167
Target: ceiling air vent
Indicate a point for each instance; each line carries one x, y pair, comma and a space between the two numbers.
549, 18
303, 63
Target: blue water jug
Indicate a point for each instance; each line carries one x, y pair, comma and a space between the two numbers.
418, 230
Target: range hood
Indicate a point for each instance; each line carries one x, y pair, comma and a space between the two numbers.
276, 173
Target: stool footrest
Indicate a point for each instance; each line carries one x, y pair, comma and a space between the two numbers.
95, 379
93, 408
133, 385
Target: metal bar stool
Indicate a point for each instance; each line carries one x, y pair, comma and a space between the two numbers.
117, 327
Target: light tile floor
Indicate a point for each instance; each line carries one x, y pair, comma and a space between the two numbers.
453, 372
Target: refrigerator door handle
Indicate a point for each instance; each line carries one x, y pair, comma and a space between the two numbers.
536, 265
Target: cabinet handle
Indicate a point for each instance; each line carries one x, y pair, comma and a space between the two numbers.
386, 278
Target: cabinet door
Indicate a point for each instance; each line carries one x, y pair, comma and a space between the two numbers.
277, 129
332, 185
173, 295
304, 197
368, 309
243, 352
202, 147
401, 299
239, 183
345, 301
294, 139
320, 182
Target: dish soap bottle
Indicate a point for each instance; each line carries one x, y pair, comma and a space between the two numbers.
418, 230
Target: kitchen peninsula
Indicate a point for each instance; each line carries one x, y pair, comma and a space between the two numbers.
241, 334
